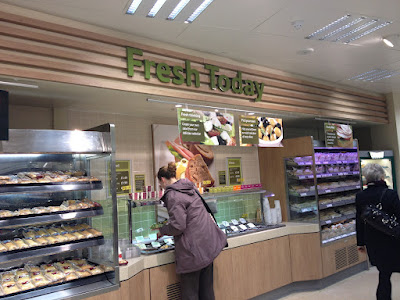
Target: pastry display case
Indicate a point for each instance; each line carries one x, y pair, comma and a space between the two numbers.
322, 188
58, 214
384, 158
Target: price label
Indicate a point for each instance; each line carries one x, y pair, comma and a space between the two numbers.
341, 174
126, 188
328, 191
329, 205
234, 228
206, 182
302, 177
326, 162
301, 163
328, 222
303, 194
251, 225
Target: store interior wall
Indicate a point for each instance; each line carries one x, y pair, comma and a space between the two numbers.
30, 117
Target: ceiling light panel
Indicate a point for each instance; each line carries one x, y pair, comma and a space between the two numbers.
156, 7
198, 11
375, 75
133, 7
348, 29
181, 5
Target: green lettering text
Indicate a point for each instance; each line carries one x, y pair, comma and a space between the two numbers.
163, 71
178, 73
212, 69
130, 61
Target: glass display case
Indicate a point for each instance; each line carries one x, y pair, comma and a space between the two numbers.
57, 214
322, 188
385, 158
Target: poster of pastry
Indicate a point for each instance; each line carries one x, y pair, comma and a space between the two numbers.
193, 161
207, 128
338, 135
260, 131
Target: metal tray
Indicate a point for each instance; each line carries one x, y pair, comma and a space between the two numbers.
19, 221
50, 187
45, 292
50, 249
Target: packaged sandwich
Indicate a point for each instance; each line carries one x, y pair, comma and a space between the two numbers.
55, 276
9, 245
10, 288
40, 281
25, 285
20, 244
31, 242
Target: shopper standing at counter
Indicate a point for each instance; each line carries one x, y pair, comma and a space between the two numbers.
198, 239
383, 250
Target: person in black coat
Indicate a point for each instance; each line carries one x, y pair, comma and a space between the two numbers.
383, 250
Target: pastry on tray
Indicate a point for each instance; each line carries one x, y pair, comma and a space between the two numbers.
9, 245
94, 270
55, 276
82, 274
10, 288
40, 281
6, 214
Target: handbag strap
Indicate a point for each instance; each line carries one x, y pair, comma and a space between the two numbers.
206, 205
380, 199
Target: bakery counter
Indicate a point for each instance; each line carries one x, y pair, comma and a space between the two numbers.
136, 265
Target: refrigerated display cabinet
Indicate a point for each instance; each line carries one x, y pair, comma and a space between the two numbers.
58, 221
385, 158
322, 187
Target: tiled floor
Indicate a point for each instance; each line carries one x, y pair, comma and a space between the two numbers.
358, 287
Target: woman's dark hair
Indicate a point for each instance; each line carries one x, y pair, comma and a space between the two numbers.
167, 172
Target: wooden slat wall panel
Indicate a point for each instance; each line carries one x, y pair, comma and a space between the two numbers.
41, 50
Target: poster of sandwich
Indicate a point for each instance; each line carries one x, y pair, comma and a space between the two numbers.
338, 135
207, 128
193, 161
260, 131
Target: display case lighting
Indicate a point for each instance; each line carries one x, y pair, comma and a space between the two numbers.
18, 84
156, 8
178, 8
133, 7
198, 11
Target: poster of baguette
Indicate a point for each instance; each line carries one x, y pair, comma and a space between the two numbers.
194, 161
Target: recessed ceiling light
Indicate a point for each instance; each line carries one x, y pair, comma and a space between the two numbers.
348, 28
181, 5
251, 113
199, 10
375, 75
388, 43
156, 7
178, 105
305, 51
133, 7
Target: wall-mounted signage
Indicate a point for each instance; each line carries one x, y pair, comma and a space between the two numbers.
208, 128
222, 177
4, 120
123, 172
187, 75
140, 183
260, 131
235, 171
338, 135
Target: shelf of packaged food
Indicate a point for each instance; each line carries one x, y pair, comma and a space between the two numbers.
338, 237
50, 249
303, 209
335, 204
335, 148
299, 164
338, 219
325, 175
339, 189
336, 162
50, 187
60, 290
20, 221
236, 193
303, 194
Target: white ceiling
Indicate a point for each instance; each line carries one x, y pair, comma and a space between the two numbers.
255, 31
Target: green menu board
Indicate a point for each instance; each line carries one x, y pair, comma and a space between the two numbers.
235, 171
139, 183
222, 177
123, 177
248, 130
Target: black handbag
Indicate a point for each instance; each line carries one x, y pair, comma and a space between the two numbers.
374, 216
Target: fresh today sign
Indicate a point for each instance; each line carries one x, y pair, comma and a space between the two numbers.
179, 75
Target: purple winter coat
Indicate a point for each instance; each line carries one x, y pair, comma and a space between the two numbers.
198, 240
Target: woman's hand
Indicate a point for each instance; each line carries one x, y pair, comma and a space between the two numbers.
361, 249
159, 234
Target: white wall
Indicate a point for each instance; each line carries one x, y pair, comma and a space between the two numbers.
30, 117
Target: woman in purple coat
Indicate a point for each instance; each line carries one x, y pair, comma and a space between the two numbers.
198, 239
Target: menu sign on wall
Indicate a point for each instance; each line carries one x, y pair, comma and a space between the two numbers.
205, 127
248, 130
222, 177
123, 177
139, 183
235, 171
338, 135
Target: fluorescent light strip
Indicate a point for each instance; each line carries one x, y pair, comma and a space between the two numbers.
31, 86
328, 26
156, 7
181, 5
383, 76
380, 75
377, 73
133, 7
198, 11
359, 28
367, 32
361, 75
356, 21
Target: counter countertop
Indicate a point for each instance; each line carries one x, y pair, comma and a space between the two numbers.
136, 265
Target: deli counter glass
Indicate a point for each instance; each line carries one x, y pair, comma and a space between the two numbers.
57, 214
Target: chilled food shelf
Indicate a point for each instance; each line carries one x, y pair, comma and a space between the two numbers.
146, 202
20, 221
335, 204
336, 162
324, 175
50, 249
50, 187
339, 189
338, 237
338, 219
